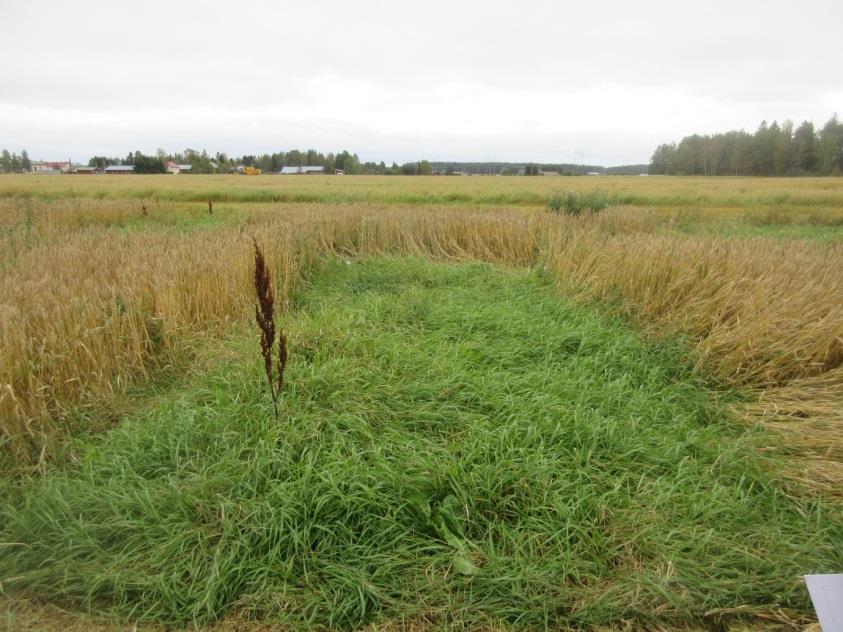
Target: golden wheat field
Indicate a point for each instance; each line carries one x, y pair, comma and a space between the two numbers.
105, 279
108, 279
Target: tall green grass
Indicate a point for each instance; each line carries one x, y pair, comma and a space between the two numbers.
573, 203
457, 446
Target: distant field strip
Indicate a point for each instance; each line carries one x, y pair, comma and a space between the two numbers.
736, 193
459, 447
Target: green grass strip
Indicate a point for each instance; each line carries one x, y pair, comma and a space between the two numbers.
458, 445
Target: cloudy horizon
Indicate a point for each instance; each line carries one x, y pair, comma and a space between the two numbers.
545, 82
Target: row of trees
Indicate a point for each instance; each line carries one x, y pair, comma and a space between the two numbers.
773, 150
345, 161
534, 169
202, 162
14, 163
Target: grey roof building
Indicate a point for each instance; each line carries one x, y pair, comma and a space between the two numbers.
292, 171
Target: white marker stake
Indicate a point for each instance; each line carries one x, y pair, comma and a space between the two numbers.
827, 594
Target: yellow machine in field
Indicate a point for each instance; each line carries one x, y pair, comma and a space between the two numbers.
251, 171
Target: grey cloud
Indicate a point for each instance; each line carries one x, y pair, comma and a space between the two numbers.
345, 72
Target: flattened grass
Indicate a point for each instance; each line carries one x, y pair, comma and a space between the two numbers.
458, 446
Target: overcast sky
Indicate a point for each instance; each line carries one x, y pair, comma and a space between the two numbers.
515, 80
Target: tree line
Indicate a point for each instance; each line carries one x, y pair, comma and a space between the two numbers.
14, 163
203, 162
344, 161
350, 163
534, 169
773, 150
220, 162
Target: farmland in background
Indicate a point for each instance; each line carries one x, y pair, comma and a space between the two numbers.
746, 194
495, 416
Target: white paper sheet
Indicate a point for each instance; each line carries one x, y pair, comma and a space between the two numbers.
827, 594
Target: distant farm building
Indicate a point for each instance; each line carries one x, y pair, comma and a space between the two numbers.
175, 169
119, 170
84, 170
302, 171
45, 167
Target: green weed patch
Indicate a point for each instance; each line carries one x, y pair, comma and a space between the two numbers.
457, 445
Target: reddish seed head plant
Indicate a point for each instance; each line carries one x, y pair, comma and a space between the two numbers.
265, 317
